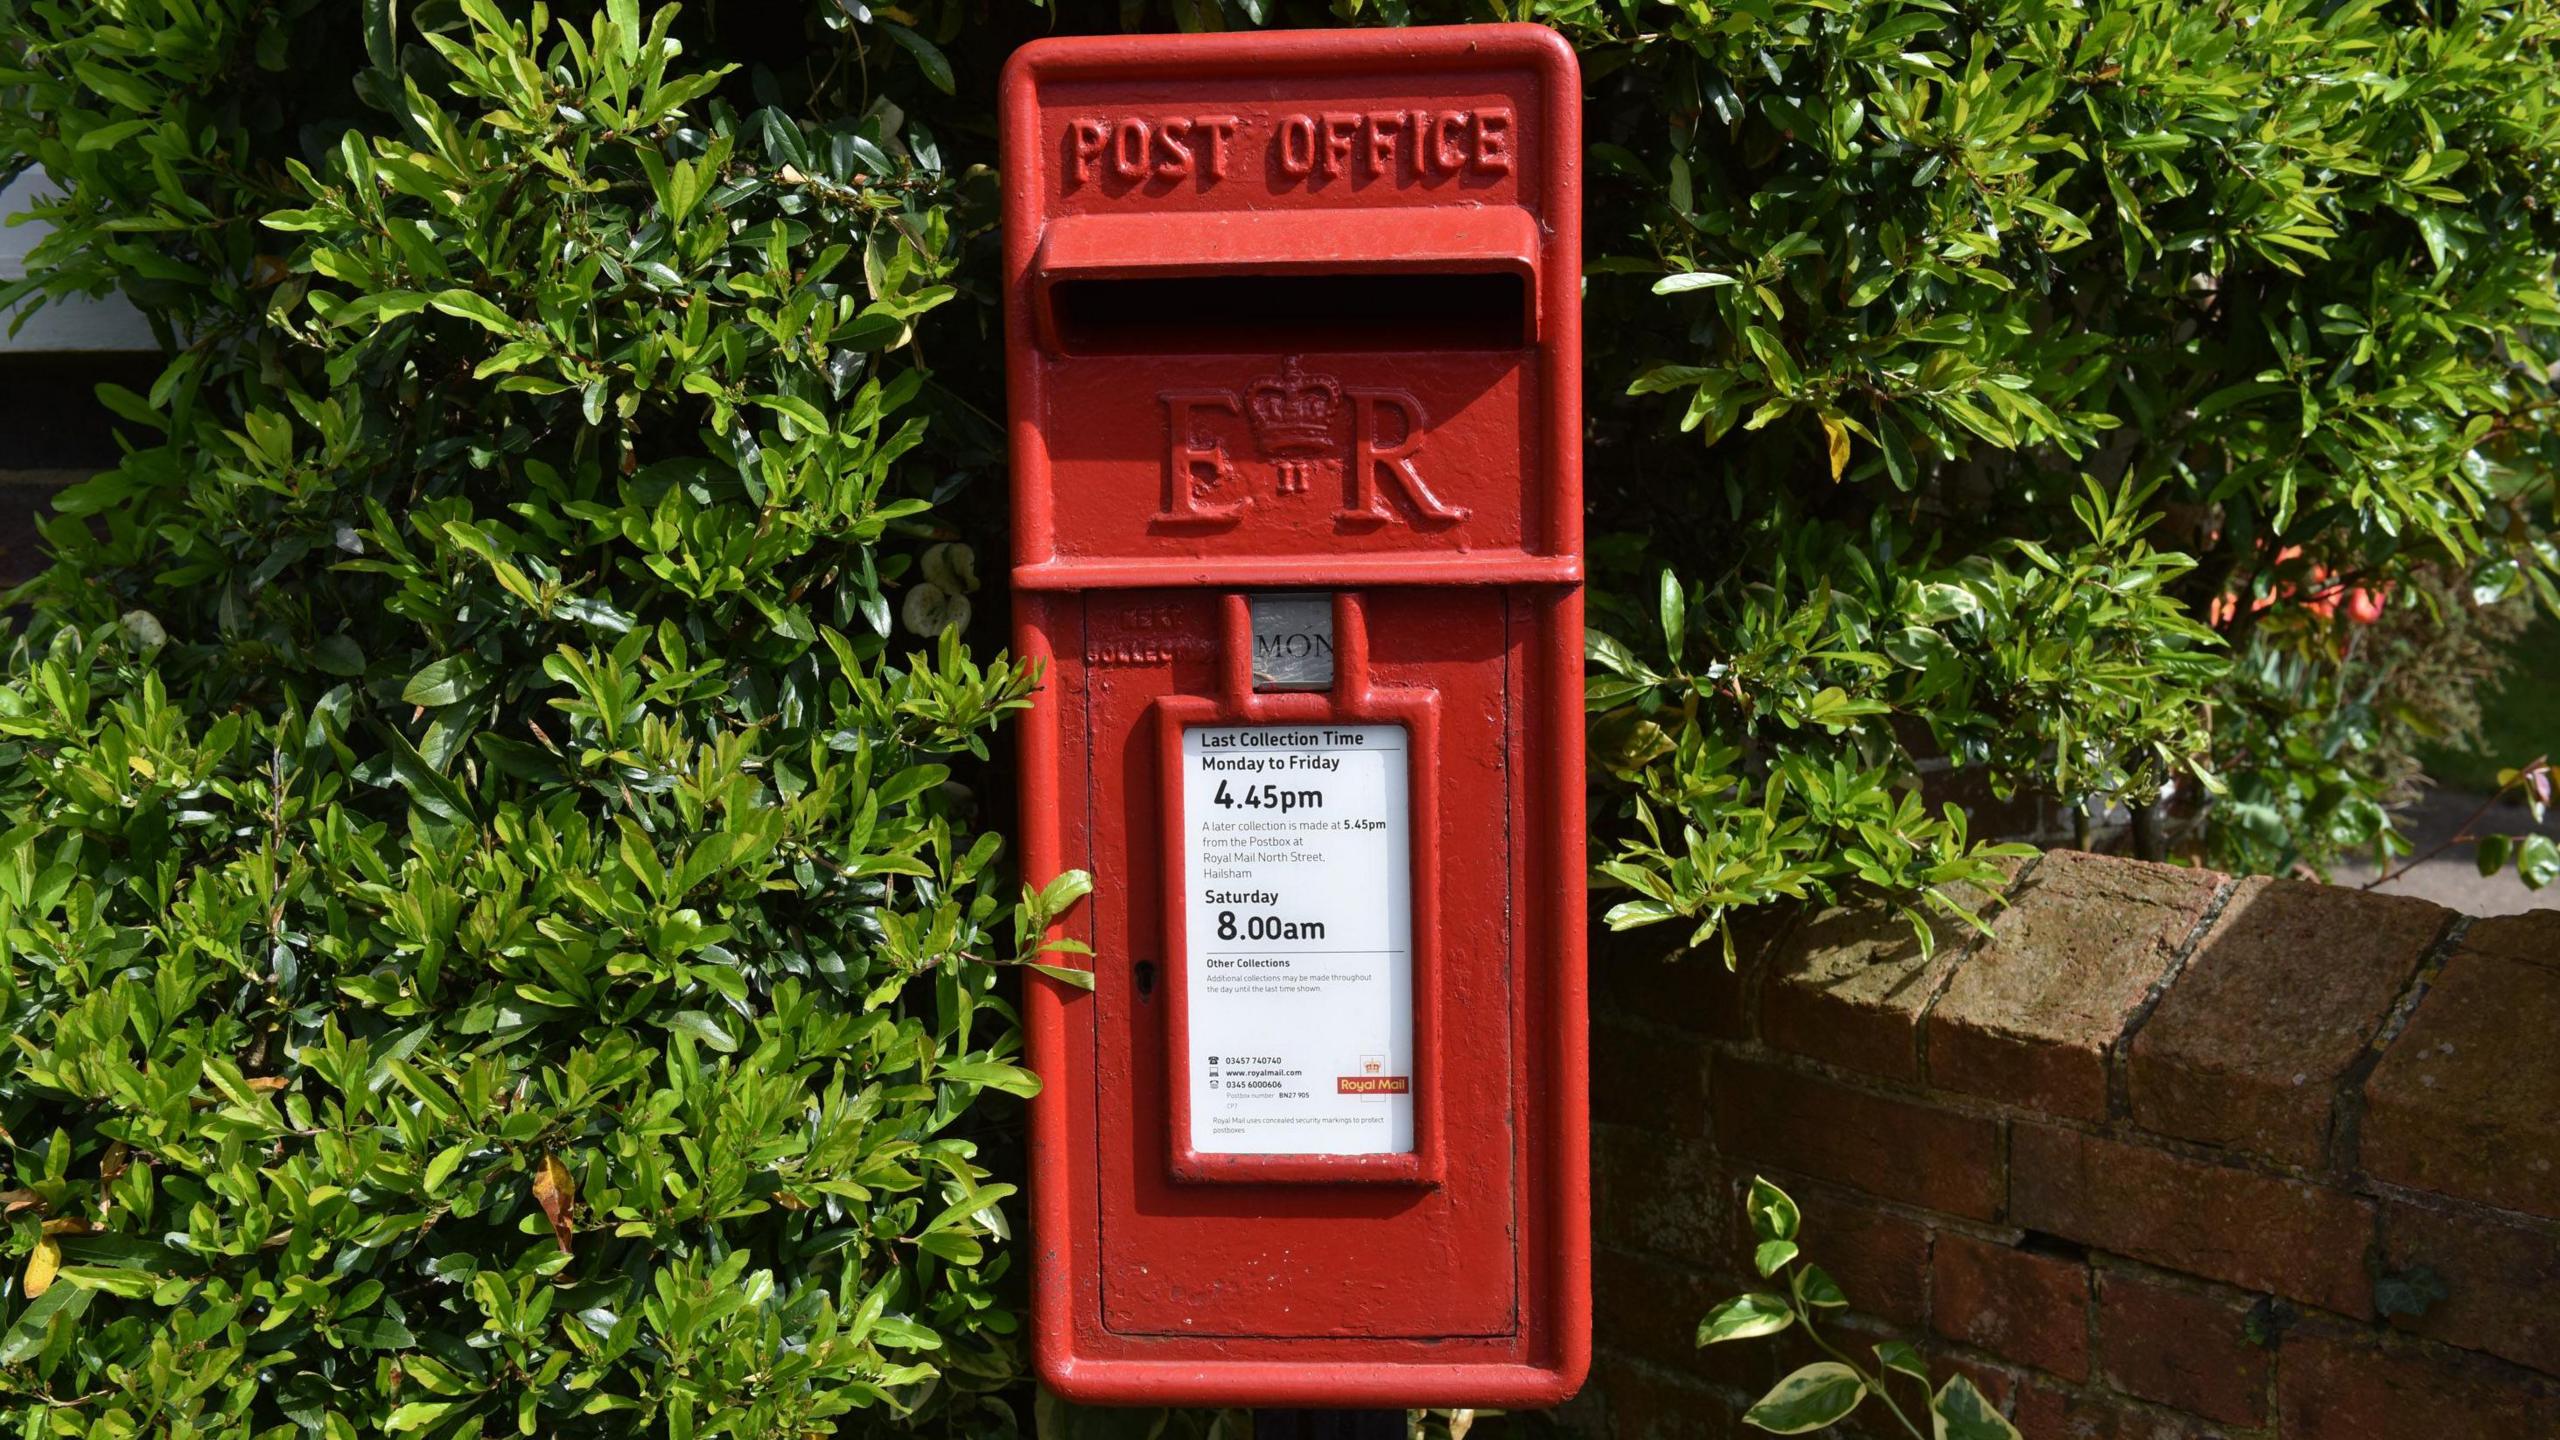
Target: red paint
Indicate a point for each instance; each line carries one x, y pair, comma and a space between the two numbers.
1301, 311
1355, 699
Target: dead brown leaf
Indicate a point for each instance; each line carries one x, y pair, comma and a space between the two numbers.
42, 1266
557, 1194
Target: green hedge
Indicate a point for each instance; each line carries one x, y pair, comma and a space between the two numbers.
503, 926
501, 934
2068, 373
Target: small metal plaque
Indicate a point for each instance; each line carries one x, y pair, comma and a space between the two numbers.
1293, 642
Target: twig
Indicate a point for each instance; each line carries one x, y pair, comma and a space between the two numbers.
2461, 833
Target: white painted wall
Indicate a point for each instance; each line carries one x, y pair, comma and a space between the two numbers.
63, 325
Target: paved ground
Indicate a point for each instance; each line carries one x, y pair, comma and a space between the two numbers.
2453, 879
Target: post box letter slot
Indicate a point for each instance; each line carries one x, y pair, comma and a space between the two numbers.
1246, 314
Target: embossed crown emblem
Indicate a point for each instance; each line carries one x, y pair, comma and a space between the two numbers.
1295, 413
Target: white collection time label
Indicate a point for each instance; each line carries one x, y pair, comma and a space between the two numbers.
1298, 939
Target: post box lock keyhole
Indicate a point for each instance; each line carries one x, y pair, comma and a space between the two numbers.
1144, 972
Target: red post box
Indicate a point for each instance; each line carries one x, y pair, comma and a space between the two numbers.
1294, 350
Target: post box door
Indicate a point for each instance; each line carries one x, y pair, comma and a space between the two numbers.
1426, 1256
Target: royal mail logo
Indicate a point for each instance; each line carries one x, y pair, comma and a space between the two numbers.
1308, 429
1373, 1085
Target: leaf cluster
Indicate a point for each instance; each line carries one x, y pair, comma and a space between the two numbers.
1785, 750
498, 934
1915, 274
1826, 1392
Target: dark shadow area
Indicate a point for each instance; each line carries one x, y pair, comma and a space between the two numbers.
1244, 314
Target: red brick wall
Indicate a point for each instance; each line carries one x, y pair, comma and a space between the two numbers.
2165, 1155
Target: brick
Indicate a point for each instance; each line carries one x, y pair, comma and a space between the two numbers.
1848, 988
1645, 1402
1585, 1416
2467, 1100
1659, 1196
1923, 1156
2048, 1412
2181, 1345
2032, 1015
2278, 1000
1650, 1308
2501, 1281
2018, 1304
1879, 1259
2000, 1384
1694, 992
2260, 1232
1850, 983
1648, 1076
2333, 1385
2532, 938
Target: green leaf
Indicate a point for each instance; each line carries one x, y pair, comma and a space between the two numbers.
443, 682
1745, 1316
374, 1332
2494, 852
129, 1284
1012, 1079
1815, 1287
379, 306
381, 35
108, 137
1063, 891
338, 655
956, 1248
1961, 1412
1631, 914
1773, 358
703, 1028
441, 1168
2538, 860
419, 1415
1820, 1394
1903, 1358
1611, 654
464, 305
428, 790
1773, 1214
26, 1336
936, 68
809, 417
1692, 280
